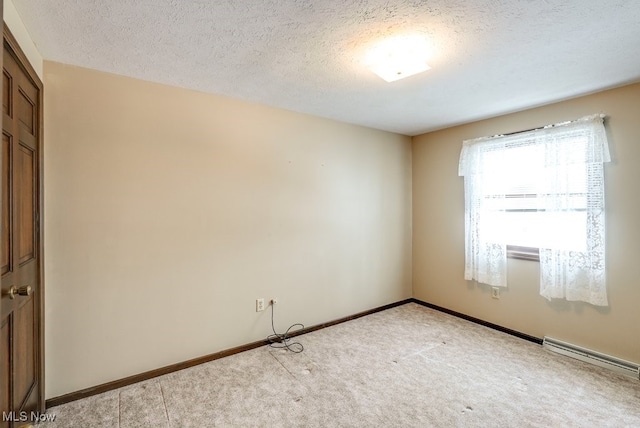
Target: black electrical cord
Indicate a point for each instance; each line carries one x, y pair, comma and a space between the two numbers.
277, 340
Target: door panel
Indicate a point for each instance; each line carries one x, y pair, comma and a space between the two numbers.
26, 170
6, 94
5, 368
21, 309
26, 111
23, 343
6, 204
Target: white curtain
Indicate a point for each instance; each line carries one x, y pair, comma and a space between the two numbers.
485, 247
565, 167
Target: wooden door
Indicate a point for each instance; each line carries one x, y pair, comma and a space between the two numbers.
20, 256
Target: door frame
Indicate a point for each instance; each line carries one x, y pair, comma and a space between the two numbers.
22, 60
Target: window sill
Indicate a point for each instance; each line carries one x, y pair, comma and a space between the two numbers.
523, 253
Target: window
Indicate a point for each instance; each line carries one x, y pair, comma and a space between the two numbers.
518, 199
539, 194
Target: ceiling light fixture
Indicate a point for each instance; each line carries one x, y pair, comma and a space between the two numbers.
399, 57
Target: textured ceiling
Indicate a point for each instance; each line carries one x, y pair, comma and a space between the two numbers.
489, 57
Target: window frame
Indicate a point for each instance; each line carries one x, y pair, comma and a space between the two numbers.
523, 253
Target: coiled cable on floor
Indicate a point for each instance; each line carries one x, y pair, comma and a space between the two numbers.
277, 340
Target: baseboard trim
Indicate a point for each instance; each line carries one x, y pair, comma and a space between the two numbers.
109, 386
479, 321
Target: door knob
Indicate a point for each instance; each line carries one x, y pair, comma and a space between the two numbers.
25, 290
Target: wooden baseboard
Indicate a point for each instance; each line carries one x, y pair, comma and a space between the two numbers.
479, 321
109, 386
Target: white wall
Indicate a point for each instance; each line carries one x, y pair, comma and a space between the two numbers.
168, 212
19, 31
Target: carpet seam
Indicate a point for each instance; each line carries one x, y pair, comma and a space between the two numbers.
164, 403
283, 366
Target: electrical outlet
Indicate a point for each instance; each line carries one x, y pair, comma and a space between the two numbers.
274, 300
259, 305
495, 292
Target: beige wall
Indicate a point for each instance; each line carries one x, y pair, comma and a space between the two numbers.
438, 232
168, 212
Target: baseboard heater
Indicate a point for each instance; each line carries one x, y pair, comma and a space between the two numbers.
593, 357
